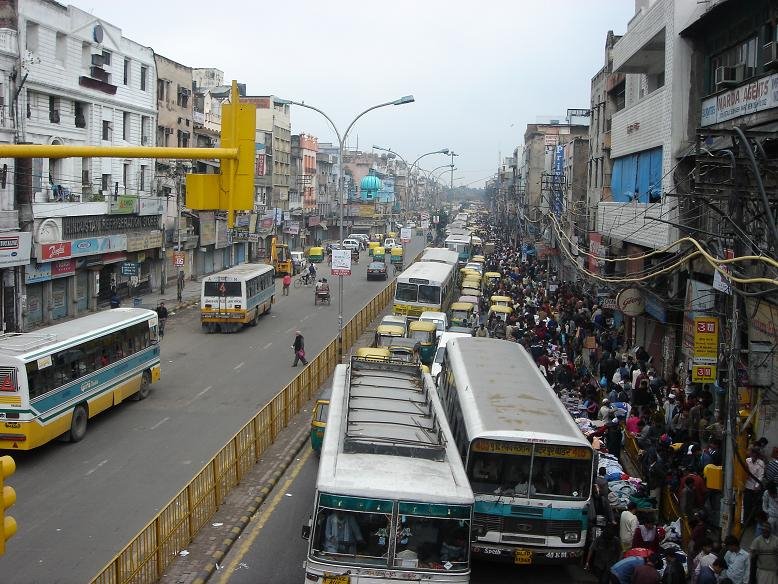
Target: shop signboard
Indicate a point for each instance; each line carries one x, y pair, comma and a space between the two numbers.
749, 98
34, 273
341, 262
314, 220
178, 259
655, 307
130, 269
630, 302
706, 340
222, 237
113, 257
15, 249
292, 227
140, 241
97, 245
123, 205
63, 268
703, 373
54, 251
151, 206
240, 234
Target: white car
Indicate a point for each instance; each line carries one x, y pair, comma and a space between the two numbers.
411, 225
352, 244
390, 242
440, 353
360, 237
439, 318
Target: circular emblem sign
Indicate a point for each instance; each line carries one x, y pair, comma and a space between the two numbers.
630, 302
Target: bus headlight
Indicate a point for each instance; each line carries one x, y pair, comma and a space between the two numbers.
571, 537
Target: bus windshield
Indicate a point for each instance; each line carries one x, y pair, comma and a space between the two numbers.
519, 470
428, 294
222, 289
406, 292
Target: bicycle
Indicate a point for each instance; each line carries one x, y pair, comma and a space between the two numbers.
305, 280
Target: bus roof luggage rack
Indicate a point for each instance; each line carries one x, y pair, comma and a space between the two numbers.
389, 411
22, 342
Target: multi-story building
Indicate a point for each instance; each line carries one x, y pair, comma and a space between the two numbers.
175, 127
303, 187
574, 218
274, 142
96, 226
206, 114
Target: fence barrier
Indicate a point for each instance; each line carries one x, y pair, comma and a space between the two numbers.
156, 546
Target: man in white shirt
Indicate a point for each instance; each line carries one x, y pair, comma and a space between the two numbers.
753, 487
628, 523
738, 561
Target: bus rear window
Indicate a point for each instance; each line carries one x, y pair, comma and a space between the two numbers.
406, 292
222, 289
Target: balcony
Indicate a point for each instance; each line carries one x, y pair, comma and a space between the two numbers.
643, 41
633, 222
640, 126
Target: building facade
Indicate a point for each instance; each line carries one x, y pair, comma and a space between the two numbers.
95, 222
274, 143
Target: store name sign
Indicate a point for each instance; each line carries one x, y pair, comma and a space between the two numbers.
749, 98
630, 302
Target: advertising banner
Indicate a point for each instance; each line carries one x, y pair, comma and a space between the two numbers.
749, 98
63, 268
706, 340
341, 262
54, 251
207, 228
141, 241
123, 205
222, 237
15, 249
703, 373
34, 273
151, 206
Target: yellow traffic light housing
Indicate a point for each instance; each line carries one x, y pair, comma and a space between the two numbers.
7, 468
233, 189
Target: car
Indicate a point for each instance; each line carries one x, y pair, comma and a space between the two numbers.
298, 261
361, 238
376, 271
399, 225
439, 318
411, 225
352, 244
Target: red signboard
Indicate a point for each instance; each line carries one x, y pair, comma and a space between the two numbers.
260, 166
55, 251
63, 268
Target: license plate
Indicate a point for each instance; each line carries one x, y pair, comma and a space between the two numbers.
336, 579
522, 556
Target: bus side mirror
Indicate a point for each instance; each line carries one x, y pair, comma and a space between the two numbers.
306, 532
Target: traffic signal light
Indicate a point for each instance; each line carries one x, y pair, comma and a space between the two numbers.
233, 189
7, 468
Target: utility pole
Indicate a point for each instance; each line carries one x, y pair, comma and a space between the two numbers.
179, 248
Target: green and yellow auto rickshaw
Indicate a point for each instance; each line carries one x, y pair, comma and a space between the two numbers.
497, 300
500, 312
384, 334
319, 423
474, 283
379, 254
424, 332
407, 350
316, 255
462, 314
371, 245
492, 278
396, 257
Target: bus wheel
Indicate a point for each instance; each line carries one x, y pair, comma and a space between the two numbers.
78, 424
145, 387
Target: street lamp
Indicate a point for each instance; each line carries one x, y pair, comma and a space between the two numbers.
341, 144
414, 163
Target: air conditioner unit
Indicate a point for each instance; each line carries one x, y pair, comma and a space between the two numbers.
770, 55
98, 60
54, 116
728, 76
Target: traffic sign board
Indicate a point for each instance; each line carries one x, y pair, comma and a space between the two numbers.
178, 259
405, 235
130, 269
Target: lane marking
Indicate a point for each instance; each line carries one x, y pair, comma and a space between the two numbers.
239, 365
158, 424
266, 347
99, 464
203, 392
255, 527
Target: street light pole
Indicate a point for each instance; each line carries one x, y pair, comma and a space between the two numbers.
414, 163
341, 183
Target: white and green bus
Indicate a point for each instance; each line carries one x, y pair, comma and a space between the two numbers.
53, 380
392, 501
236, 297
424, 287
530, 466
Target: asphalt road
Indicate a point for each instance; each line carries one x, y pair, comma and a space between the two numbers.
271, 550
79, 504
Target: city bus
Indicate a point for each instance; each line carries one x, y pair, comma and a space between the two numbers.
392, 502
236, 297
53, 380
530, 467
461, 244
424, 286
440, 255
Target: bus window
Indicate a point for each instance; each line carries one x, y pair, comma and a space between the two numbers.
222, 289
406, 292
363, 537
429, 542
429, 294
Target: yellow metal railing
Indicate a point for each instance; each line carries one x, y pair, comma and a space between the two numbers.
156, 546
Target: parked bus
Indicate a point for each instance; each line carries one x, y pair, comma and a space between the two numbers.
53, 380
424, 286
440, 255
530, 467
392, 501
236, 297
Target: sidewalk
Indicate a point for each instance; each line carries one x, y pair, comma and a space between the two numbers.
189, 297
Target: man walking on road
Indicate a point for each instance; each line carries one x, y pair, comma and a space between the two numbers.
162, 315
286, 281
299, 349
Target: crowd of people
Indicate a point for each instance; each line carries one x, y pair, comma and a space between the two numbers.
614, 389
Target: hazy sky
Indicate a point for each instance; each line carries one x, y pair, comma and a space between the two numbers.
480, 71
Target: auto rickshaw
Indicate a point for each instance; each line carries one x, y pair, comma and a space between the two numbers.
478, 259
385, 333
396, 257
468, 273
371, 246
497, 300
392, 235
474, 283
377, 237
500, 312
406, 350
318, 423
316, 255
355, 256
425, 333
467, 291
373, 353
462, 314
492, 278
379, 254
471, 299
